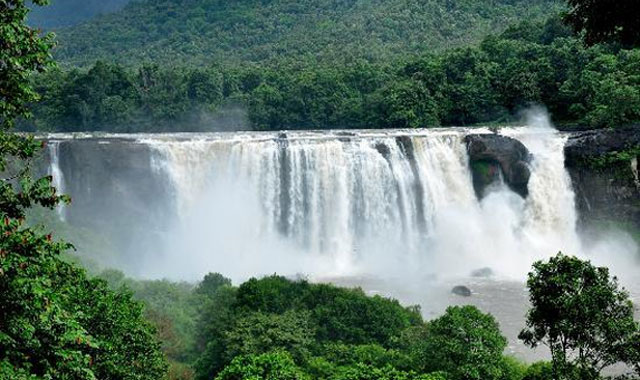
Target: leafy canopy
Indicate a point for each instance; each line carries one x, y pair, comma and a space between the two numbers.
581, 314
55, 323
465, 344
202, 31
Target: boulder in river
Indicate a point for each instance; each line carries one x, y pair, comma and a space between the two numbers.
461, 290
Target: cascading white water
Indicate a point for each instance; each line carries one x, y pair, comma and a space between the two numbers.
393, 211
364, 202
56, 174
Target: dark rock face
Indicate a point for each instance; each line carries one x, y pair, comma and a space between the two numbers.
461, 290
116, 190
603, 165
492, 155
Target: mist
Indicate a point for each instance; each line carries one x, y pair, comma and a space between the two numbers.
63, 13
311, 203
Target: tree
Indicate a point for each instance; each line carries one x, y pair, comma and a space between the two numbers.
466, 344
268, 366
345, 315
22, 52
581, 314
210, 284
121, 343
539, 371
54, 322
216, 316
606, 21
258, 333
404, 104
368, 372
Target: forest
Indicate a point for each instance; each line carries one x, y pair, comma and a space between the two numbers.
529, 63
279, 328
202, 32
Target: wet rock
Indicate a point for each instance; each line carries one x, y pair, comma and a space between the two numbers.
117, 190
582, 146
406, 145
461, 290
482, 273
603, 166
384, 150
492, 155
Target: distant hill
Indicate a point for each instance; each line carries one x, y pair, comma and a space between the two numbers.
227, 31
62, 13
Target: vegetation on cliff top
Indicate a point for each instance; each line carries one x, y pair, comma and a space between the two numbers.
530, 63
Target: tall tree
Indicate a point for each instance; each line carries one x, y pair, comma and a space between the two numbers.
54, 322
581, 314
466, 344
606, 20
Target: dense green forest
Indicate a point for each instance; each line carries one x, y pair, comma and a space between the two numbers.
278, 328
219, 31
529, 63
269, 65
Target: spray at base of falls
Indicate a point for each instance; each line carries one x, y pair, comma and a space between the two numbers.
385, 203
381, 203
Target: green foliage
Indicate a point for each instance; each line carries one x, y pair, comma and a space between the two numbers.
269, 366
210, 284
22, 51
325, 31
580, 313
367, 372
339, 314
608, 86
513, 369
259, 333
539, 371
466, 344
215, 318
603, 21
125, 346
529, 63
55, 323
322, 326
615, 158
36, 336
340, 354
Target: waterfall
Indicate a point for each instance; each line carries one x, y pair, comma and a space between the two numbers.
357, 202
56, 174
323, 203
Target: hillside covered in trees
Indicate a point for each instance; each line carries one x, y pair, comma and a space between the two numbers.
215, 31
208, 65
529, 63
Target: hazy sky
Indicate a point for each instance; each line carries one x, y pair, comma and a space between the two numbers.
60, 13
